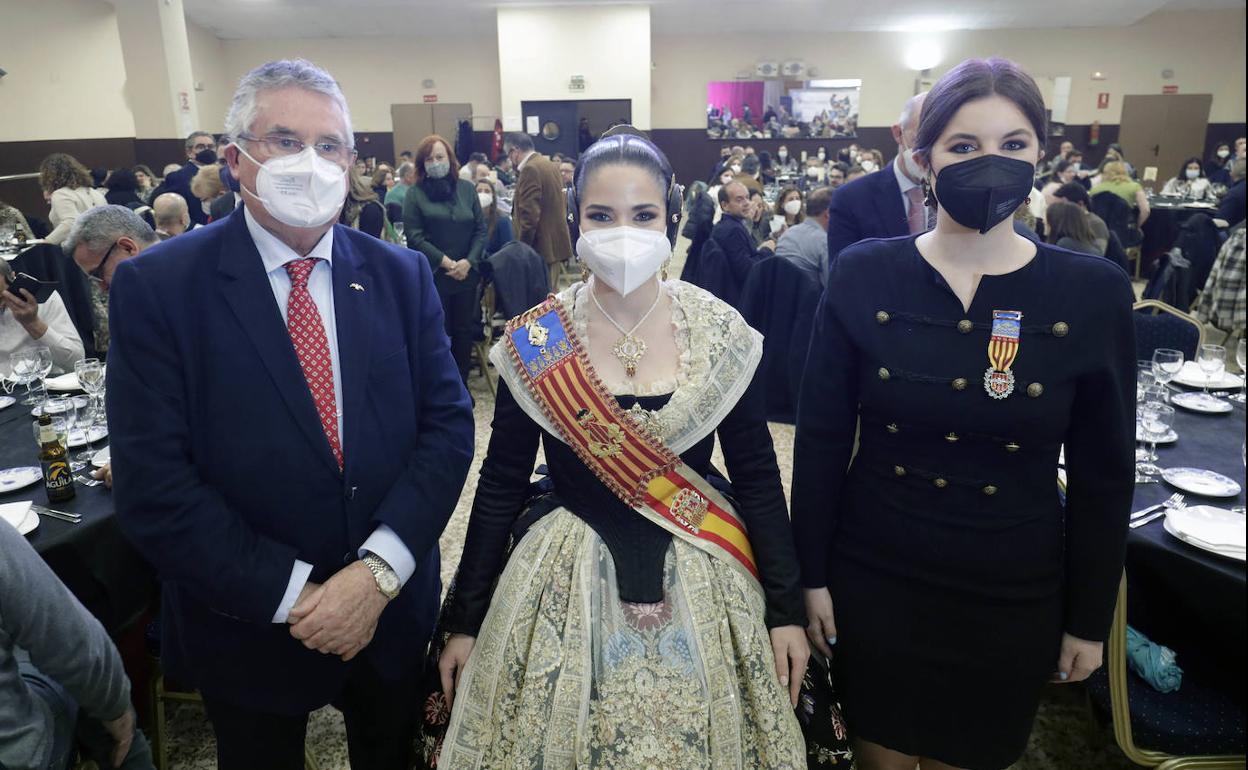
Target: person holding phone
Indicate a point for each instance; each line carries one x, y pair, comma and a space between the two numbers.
26, 321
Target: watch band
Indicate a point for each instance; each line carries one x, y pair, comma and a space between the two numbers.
387, 579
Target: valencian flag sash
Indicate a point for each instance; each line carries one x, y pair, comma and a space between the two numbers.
637, 468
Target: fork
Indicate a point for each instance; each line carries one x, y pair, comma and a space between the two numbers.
72, 518
1151, 517
1171, 500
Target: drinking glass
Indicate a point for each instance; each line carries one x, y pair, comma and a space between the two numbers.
398, 230
1166, 364
1212, 361
64, 411
25, 364
1156, 420
1239, 359
1144, 378
90, 373
43, 360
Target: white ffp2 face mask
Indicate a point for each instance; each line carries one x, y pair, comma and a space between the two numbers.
624, 257
302, 190
791, 207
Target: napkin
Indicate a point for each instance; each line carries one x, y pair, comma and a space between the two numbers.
15, 513
1152, 662
67, 381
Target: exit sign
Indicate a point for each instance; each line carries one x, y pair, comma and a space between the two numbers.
1169, 89
430, 98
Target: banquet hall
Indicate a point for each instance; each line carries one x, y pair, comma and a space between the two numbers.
597, 383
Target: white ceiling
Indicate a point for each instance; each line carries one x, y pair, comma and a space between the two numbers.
475, 18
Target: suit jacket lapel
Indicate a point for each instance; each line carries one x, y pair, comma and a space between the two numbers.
352, 304
246, 288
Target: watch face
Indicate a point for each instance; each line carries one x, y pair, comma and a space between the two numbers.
389, 582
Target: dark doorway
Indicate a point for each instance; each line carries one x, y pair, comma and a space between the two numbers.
567, 126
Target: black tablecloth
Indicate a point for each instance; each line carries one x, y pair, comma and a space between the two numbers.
92, 558
1161, 230
1181, 596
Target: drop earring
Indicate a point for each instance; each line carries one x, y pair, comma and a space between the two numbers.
584, 273
929, 200
665, 266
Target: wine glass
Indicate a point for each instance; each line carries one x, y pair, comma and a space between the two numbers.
1156, 420
25, 365
1144, 378
1212, 361
1239, 359
1167, 363
43, 362
1151, 394
90, 373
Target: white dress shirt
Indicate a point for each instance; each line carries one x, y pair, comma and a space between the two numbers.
61, 338
274, 255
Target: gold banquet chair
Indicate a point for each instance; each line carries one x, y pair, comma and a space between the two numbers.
482, 347
1158, 325
1120, 703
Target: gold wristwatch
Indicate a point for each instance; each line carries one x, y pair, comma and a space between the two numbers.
387, 579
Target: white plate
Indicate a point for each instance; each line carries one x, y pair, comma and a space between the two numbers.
7, 401
1197, 543
1201, 482
77, 438
1169, 438
102, 457
1191, 376
21, 516
1217, 527
1201, 402
16, 478
64, 382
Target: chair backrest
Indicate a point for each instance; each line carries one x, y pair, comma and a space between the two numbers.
519, 276
1158, 325
1117, 215
779, 300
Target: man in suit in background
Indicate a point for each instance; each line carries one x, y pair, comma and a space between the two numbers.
201, 150
732, 235
291, 436
171, 215
539, 209
888, 202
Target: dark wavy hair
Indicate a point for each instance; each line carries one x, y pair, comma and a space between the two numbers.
1182, 175
977, 79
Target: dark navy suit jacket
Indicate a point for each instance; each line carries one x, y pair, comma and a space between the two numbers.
869, 207
223, 475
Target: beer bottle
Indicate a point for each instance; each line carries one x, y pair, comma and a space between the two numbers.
58, 478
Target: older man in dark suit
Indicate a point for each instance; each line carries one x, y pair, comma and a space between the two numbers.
200, 151
539, 209
289, 436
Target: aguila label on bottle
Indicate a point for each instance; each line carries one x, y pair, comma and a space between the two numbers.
58, 477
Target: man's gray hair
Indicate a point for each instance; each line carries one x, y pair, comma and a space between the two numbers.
908, 110
284, 73
100, 227
405, 168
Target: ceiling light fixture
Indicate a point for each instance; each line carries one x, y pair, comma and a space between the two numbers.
922, 55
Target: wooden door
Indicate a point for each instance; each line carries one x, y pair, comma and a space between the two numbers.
446, 117
1163, 130
410, 123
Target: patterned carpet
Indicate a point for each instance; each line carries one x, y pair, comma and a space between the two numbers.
1065, 737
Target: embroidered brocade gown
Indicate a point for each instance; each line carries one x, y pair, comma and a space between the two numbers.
609, 643
953, 566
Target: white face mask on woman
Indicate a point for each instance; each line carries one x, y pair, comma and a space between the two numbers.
1193, 173
624, 258
302, 190
791, 207
485, 198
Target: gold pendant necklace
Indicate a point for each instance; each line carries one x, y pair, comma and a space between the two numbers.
628, 349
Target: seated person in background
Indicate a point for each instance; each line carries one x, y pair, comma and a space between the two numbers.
146, 181
59, 672
789, 205
1063, 173
759, 217
766, 168
806, 243
1116, 179
363, 210
172, 217
1218, 167
406, 176
1083, 175
26, 323
1068, 228
1231, 209
855, 172
1073, 192
11, 217
732, 233
814, 175
169, 168
566, 171
207, 187
383, 180
871, 160
498, 225
784, 163
1190, 183
506, 174
122, 188
836, 174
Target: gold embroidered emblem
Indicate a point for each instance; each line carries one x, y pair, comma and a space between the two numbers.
605, 440
538, 334
646, 420
689, 508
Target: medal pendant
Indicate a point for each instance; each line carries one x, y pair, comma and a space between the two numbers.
629, 350
998, 384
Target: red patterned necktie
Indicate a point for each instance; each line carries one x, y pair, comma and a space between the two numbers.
307, 333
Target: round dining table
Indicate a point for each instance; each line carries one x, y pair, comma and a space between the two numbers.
92, 558
1161, 229
1181, 596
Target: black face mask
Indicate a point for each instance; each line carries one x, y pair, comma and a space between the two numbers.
206, 157
982, 193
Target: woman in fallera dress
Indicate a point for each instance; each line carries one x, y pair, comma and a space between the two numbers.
942, 567
645, 620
